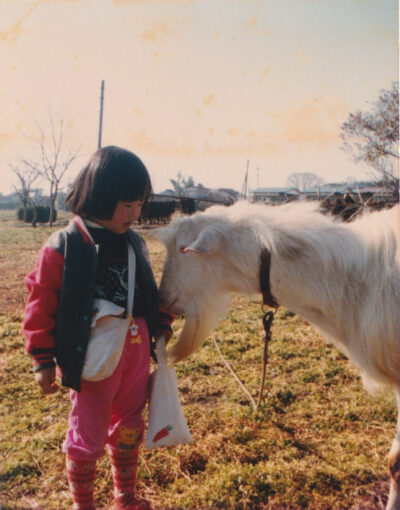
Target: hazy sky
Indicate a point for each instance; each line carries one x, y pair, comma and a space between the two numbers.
197, 86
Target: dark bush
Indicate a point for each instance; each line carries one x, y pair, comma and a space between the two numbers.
42, 214
188, 206
157, 212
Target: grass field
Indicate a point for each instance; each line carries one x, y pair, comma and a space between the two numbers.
318, 442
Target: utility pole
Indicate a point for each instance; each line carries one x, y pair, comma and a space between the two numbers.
244, 187
101, 114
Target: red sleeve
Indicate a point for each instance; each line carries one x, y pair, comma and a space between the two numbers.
44, 284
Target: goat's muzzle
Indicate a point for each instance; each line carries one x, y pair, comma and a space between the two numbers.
171, 305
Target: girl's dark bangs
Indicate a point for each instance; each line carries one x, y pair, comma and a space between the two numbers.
130, 194
137, 187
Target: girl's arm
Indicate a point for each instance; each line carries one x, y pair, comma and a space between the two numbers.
44, 284
166, 319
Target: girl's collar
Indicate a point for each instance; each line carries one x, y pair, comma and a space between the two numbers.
80, 224
92, 224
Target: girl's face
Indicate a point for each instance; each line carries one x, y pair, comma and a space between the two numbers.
125, 214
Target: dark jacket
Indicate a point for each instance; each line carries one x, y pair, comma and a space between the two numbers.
58, 311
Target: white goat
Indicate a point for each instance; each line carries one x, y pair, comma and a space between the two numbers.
343, 278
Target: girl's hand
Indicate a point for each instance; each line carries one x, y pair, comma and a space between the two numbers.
149, 387
166, 333
46, 379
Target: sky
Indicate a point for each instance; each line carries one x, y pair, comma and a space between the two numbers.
201, 87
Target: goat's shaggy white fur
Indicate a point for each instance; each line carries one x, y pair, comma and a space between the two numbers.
343, 278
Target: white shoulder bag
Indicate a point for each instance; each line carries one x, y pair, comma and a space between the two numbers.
109, 328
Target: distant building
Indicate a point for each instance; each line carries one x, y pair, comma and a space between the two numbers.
11, 201
355, 193
325, 191
274, 195
329, 192
201, 193
375, 194
165, 196
231, 193
37, 193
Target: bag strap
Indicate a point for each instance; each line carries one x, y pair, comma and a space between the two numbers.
131, 279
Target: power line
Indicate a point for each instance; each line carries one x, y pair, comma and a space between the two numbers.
101, 114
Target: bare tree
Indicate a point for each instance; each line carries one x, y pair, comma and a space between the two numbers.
55, 159
181, 183
373, 137
27, 175
304, 180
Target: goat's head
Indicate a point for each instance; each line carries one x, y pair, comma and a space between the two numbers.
207, 260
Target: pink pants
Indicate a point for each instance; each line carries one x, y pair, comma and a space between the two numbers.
110, 411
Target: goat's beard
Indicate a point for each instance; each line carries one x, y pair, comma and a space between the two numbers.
199, 322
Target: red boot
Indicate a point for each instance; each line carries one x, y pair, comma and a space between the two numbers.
81, 475
124, 466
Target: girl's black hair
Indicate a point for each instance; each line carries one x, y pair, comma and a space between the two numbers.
112, 174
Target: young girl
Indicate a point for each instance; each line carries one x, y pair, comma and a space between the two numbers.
88, 260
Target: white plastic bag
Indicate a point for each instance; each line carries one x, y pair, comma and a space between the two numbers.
167, 424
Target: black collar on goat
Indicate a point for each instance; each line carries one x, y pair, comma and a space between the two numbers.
265, 266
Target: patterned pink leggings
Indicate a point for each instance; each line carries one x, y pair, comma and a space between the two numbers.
110, 411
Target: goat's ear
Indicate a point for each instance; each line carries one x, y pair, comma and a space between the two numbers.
207, 243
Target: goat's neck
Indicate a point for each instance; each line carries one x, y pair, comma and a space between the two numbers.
299, 275
313, 272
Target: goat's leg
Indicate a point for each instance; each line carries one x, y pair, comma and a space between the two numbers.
394, 463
